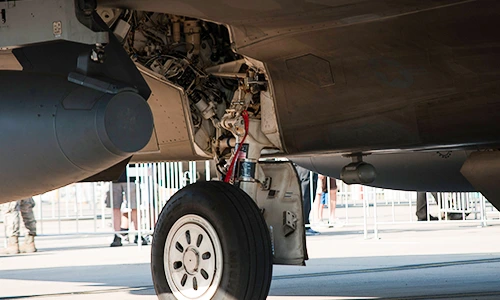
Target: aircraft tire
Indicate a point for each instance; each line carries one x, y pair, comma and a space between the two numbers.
233, 259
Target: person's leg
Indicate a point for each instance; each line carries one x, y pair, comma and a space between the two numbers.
124, 224
134, 213
11, 221
132, 203
305, 183
320, 213
421, 206
117, 204
306, 187
125, 219
26, 208
324, 203
333, 205
317, 208
117, 219
117, 215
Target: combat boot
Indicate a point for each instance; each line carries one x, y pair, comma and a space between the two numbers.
29, 244
117, 242
12, 246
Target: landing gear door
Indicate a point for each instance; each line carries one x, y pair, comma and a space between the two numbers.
280, 199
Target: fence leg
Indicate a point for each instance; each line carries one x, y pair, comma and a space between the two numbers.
140, 181
428, 216
346, 204
365, 225
4, 235
482, 209
59, 210
464, 206
440, 207
393, 210
375, 230
77, 211
94, 204
410, 210
207, 170
103, 206
446, 205
41, 215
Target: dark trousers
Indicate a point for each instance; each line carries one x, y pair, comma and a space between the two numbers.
422, 205
305, 183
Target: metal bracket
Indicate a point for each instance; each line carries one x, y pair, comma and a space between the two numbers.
100, 85
37, 21
266, 185
289, 222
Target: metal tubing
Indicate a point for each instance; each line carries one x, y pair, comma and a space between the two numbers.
464, 205
375, 226
139, 178
365, 223
59, 210
427, 207
410, 210
94, 208
483, 208
440, 201
346, 204
76, 208
393, 211
103, 212
129, 210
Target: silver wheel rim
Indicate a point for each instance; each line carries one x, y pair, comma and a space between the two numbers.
193, 258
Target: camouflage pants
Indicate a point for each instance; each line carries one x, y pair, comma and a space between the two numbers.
12, 212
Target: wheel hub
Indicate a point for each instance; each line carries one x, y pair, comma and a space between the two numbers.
193, 258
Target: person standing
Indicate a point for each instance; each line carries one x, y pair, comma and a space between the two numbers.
12, 212
121, 195
306, 186
421, 208
327, 190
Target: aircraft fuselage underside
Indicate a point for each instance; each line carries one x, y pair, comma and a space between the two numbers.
408, 86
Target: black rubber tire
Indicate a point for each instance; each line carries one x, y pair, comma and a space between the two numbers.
242, 231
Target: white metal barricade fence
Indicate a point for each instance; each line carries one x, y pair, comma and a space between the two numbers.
370, 207
81, 208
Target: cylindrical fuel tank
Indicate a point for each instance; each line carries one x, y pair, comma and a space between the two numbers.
431, 171
53, 132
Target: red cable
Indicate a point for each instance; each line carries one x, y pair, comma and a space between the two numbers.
229, 173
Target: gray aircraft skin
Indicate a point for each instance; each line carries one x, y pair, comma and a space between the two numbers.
417, 78
366, 77
396, 94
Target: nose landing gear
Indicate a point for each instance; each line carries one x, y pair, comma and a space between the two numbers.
211, 242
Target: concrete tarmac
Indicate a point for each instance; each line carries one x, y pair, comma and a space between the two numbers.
417, 261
